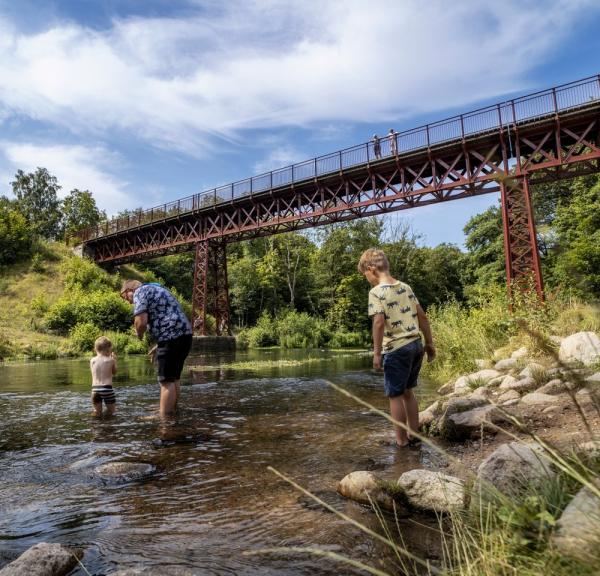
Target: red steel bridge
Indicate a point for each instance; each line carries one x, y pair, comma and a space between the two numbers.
506, 147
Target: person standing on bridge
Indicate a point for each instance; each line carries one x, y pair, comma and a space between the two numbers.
393, 143
376, 146
157, 311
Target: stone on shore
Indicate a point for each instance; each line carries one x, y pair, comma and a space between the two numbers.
469, 424
520, 353
508, 395
531, 369
523, 385
581, 347
427, 416
43, 559
511, 469
446, 388
506, 364
593, 378
124, 471
432, 491
364, 487
482, 376
555, 386
578, 528
538, 399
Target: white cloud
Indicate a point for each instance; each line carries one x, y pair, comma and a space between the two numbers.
75, 167
178, 83
279, 157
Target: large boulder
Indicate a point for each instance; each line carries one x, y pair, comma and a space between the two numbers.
470, 424
432, 491
582, 347
364, 487
578, 528
511, 469
481, 377
43, 559
124, 471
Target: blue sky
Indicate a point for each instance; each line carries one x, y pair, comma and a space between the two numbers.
143, 102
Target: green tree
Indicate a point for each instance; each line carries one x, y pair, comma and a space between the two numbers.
484, 241
15, 234
79, 211
577, 254
37, 199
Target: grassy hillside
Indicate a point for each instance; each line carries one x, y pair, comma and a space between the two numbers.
35, 292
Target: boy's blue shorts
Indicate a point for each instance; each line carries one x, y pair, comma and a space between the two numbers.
401, 368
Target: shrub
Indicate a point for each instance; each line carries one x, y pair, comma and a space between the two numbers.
15, 235
127, 342
264, 333
300, 330
6, 347
83, 336
37, 263
39, 305
107, 310
84, 274
4, 285
349, 340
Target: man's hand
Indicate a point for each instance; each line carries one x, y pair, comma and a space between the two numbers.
377, 362
152, 353
430, 351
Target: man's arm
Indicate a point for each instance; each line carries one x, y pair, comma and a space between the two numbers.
140, 323
378, 328
426, 329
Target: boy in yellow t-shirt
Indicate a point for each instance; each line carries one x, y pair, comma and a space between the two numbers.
397, 320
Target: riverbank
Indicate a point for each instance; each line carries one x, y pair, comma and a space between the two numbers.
511, 461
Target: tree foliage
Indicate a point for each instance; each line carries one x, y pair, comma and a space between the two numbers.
79, 210
15, 235
36, 196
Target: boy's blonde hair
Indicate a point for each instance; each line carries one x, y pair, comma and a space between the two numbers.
102, 344
373, 258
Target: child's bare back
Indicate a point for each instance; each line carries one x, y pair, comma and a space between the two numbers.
103, 366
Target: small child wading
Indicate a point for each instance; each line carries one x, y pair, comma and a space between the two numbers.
397, 320
103, 365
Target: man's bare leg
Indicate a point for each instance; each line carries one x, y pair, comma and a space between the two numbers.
178, 391
411, 408
398, 412
168, 398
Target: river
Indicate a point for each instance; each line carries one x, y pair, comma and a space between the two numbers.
212, 499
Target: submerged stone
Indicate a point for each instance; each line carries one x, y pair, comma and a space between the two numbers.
43, 559
124, 471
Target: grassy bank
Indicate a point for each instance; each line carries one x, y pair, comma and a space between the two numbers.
55, 304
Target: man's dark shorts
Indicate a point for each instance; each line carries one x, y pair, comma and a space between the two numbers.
401, 368
170, 356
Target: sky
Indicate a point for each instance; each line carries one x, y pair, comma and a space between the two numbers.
147, 101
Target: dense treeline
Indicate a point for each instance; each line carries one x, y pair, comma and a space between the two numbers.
303, 289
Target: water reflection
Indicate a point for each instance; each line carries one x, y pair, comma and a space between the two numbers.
211, 497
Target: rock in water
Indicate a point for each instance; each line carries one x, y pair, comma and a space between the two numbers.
124, 471
582, 347
364, 487
432, 491
162, 571
578, 528
43, 559
511, 469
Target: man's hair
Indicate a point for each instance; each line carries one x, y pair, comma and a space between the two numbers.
102, 344
373, 258
130, 285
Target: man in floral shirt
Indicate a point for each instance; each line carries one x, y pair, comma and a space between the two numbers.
157, 311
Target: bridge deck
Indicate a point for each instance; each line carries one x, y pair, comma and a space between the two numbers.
576, 99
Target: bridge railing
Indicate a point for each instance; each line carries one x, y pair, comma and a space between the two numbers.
490, 118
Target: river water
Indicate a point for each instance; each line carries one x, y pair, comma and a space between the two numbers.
211, 500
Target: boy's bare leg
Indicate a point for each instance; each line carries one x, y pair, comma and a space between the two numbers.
398, 412
168, 398
110, 409
411, 407
97, 406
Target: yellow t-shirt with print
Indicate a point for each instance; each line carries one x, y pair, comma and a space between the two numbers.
399, 305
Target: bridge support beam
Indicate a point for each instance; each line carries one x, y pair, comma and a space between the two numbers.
520, 243
210, 287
